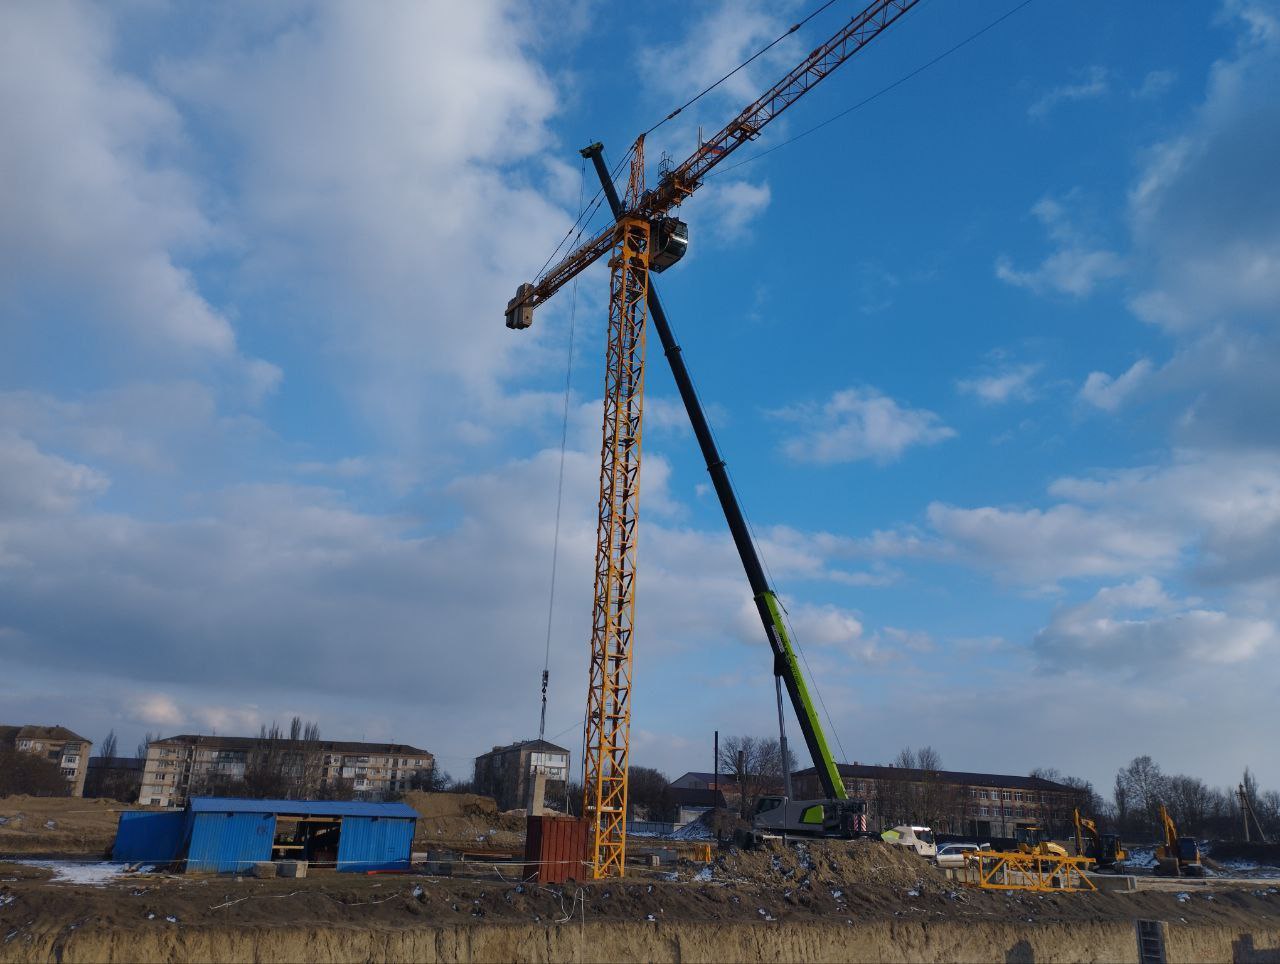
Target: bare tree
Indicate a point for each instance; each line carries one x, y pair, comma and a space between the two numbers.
108, 747
30, 773
1121, 796
755, 765
927, 758
1145, 785
1190, 802
649, 794
141, 752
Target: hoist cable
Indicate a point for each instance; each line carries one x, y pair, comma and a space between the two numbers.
564, 443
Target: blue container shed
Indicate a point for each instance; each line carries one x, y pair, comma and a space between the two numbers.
149, 836
231, 834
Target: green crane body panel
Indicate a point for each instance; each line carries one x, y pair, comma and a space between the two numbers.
814, 815
810, 725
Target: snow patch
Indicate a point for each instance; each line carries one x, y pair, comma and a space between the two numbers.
96, 874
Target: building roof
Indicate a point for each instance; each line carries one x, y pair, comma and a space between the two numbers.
726, 779
116, 763
1003, 781
541, 745
324, 746
9, 734
689, 797
317, 808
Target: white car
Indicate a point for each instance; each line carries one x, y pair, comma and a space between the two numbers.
952, 854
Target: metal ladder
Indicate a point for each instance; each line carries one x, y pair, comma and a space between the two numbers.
1151, 942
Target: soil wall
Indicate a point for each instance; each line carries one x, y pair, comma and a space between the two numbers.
890, 941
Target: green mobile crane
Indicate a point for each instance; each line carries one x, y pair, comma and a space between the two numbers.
835, 814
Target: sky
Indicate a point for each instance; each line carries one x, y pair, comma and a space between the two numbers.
991, 358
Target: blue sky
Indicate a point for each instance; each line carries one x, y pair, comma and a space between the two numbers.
991, 359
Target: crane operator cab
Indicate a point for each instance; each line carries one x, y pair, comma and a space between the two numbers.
669, 241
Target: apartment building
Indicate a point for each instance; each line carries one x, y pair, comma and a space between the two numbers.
507, 773
56, 743
180, 767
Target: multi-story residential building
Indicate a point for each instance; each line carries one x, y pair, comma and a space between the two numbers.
507, 773
65, 748
180, 767
979, 804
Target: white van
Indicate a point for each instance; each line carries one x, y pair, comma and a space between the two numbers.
919, 839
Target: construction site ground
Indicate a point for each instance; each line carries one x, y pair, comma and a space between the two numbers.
820, 901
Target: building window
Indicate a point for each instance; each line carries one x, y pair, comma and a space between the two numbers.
984, 811
1008, 811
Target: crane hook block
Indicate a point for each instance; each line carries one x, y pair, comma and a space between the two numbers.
519, 309
670, 242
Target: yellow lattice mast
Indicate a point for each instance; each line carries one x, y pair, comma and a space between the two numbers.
613, 615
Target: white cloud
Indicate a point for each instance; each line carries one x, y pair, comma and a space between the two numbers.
99, 214
159, 710
1155, 84
1012, 382
1042, 546
388, 167
32, 481
729, 208
1139, 627
1094, 84
1204, 212
856, 424
725, 34
1107, 393
1076, 267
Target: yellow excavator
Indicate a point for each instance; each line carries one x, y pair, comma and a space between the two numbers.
1034, 839
1104, 849
1177, 856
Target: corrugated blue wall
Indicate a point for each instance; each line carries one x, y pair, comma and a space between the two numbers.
230, 842
375, 843
148, 837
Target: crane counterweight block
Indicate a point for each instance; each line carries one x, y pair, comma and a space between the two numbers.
520, 308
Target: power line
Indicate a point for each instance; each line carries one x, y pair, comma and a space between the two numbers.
879, 93
772, 43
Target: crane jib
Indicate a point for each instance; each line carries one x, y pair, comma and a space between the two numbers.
681, 181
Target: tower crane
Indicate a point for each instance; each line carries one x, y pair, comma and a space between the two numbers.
645, 237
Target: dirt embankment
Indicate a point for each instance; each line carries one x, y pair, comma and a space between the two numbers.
860, 901
464, 820
57, 825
